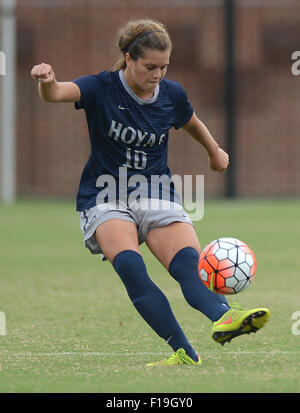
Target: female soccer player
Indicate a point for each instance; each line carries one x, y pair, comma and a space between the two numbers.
129, 112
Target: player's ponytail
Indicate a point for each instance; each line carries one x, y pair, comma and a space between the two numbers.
139, 34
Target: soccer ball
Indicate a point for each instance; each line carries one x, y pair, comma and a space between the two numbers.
227, 266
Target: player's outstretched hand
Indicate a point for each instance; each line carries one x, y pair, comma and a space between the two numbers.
219, 160
43, 73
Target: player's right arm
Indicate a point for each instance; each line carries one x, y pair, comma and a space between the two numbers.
52, 91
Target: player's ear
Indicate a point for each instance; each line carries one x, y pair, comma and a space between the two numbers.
128, 59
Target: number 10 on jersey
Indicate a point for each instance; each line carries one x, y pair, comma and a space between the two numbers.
135, 159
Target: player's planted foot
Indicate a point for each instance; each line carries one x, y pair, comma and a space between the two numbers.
236, 322
179, 357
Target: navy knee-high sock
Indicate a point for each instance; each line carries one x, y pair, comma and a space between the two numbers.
184, 268
150, 301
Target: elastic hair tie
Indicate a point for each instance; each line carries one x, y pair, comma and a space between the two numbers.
125, 50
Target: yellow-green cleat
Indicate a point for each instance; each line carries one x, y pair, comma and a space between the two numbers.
179, 357
236, 322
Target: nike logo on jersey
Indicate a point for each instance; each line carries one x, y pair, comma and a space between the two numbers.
122, 107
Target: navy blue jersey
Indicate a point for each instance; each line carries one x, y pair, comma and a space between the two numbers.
126, 131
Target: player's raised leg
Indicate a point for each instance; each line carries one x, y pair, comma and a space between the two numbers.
119, 242
179, 240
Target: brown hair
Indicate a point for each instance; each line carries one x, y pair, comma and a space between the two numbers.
139, 34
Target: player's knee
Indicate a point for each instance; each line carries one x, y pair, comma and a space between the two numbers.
131, 268
187, 257
127, 262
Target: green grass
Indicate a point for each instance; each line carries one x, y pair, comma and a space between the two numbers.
71, 327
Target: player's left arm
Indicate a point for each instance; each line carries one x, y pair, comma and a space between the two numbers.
218, 158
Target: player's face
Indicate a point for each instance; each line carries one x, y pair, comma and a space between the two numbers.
144, 74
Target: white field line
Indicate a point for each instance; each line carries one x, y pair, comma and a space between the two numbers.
7, 353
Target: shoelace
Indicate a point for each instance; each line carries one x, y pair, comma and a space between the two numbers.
174, 357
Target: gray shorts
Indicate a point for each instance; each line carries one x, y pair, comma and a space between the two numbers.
147, 215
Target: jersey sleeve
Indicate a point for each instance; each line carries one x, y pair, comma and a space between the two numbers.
183, 108
89, 87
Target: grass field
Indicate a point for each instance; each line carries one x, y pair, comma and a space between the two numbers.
70, 326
